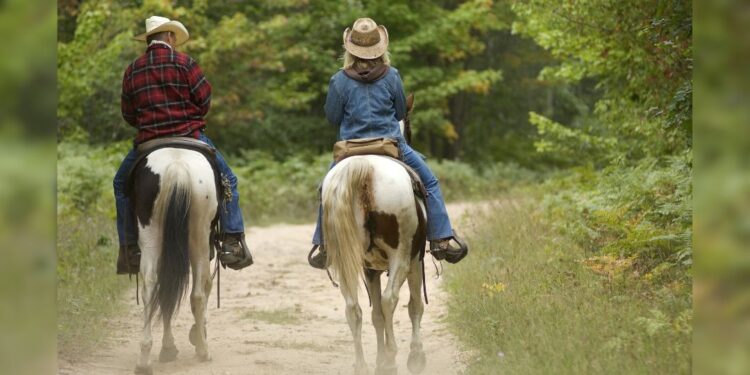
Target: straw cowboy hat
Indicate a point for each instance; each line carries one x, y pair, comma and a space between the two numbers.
156, 24
366, 39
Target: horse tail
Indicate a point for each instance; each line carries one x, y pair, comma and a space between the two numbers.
174, 266
345, 188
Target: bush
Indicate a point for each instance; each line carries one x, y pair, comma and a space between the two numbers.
643, 213
272, 191
461, 181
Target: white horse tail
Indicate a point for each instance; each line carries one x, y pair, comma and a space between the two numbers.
173, 207
345, 192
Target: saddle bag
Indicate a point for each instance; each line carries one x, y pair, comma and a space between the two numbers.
366, 146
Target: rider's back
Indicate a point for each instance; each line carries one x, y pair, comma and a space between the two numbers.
166, 93
366, 109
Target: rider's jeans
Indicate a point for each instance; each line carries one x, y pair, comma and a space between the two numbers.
127, 232
438, 223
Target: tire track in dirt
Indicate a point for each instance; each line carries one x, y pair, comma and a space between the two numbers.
279, 316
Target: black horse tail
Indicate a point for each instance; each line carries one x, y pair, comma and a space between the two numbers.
174, 265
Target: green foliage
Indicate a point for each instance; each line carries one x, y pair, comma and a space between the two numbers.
87, 288
269, 64
273, 191
536, 309
643, 213
639, 53
461, 182
84, 177
630, 193
568, 144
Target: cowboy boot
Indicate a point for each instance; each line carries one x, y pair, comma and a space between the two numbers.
442, 249
129, 260
234, 252
320, 259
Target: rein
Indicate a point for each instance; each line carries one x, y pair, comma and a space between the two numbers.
424, 283
217, 275
215, 247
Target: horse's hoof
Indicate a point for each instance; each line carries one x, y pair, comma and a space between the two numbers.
383, 370
203, 357
168, 354
416, 362
144, 370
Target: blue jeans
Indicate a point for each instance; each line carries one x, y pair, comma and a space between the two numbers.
127, 231
438, 223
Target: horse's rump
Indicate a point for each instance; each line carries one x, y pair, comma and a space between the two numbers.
174, 191
369, 209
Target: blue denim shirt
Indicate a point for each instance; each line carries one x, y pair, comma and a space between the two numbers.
363, 110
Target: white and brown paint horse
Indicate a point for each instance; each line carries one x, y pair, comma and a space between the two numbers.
175, 201
373, 221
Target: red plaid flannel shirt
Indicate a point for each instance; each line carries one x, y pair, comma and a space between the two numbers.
164, 93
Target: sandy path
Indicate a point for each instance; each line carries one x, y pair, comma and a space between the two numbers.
279, 316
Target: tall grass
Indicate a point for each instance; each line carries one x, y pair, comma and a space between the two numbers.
528, 304
88, 291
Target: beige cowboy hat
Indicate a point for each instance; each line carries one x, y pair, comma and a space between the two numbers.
156, 24
366, 39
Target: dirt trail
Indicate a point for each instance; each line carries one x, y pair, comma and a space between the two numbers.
279, 316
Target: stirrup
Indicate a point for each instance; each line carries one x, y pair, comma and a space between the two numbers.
319, 260
232, 260
451, 254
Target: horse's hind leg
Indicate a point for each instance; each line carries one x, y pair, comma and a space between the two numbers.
373, 285
416, 361
398, 271
149, 261
199, 294
354, 318
168, 351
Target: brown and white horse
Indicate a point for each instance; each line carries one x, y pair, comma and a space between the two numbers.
175, 202
373, 221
